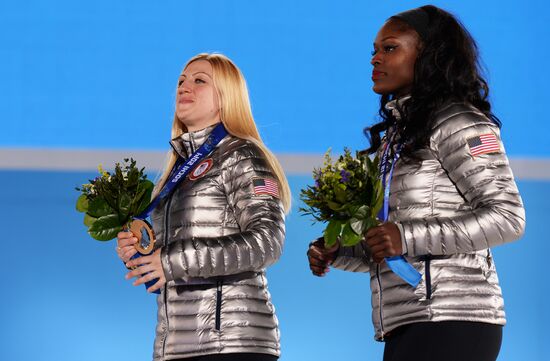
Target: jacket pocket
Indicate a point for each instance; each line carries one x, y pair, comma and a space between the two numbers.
427, 275
428, 279
218, 324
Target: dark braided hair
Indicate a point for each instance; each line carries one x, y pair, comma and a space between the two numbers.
447, 69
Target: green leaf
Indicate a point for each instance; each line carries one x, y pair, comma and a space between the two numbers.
89, 220
118, 172
369, 223
124, 203
82, 203
98, 208
145, 198
335, 206
379, 199
349, 237
133, 177
105, 228
333, 230
362, 212
109, 195
359, 216
340, 193
357, 225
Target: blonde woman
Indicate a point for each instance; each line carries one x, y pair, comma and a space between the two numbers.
220, 228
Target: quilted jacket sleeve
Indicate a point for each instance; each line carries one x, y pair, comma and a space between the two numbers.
353, 259
494, 211
259, 217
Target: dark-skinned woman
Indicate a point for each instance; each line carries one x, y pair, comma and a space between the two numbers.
452, 196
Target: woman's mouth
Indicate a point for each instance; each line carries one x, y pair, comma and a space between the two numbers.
377, 74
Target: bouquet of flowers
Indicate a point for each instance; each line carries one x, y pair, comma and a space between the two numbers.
110, 201
347, 194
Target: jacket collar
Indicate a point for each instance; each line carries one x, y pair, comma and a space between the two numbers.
396, 105
187, 143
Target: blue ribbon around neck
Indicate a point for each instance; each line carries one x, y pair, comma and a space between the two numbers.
398, 264
179, 173
181, 169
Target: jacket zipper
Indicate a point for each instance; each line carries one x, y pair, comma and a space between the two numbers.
166, 231
428, 279
219, 284
380, 300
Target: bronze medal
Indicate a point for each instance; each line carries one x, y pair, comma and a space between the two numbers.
143, 231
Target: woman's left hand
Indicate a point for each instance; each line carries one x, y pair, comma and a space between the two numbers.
147, 269
384, 241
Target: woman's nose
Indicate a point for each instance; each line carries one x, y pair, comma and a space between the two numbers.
184, 88
375, 59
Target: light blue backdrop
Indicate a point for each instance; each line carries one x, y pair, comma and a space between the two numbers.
64, 297
102, 75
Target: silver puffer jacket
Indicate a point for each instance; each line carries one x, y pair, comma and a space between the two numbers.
217, 238
451, 208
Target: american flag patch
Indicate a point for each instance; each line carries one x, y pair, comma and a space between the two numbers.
483, 144
265, 186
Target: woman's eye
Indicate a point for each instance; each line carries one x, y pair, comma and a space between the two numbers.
373, 53
199, 81
389, 48
180, 82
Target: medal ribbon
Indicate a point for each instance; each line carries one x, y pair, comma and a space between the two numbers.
398, 264
182, 168
178, 173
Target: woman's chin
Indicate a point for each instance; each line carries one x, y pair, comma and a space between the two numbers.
379, 89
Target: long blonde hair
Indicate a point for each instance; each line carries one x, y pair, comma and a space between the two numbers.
236, 116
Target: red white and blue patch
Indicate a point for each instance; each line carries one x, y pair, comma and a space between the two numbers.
265, 186
483, 144
201, 169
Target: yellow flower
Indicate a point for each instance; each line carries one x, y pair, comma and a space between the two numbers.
102, 171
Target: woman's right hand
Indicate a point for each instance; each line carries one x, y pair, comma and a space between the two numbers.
125, 245
320, 257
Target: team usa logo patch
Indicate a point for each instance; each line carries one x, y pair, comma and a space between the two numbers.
201, 169
265, 186
483, 144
